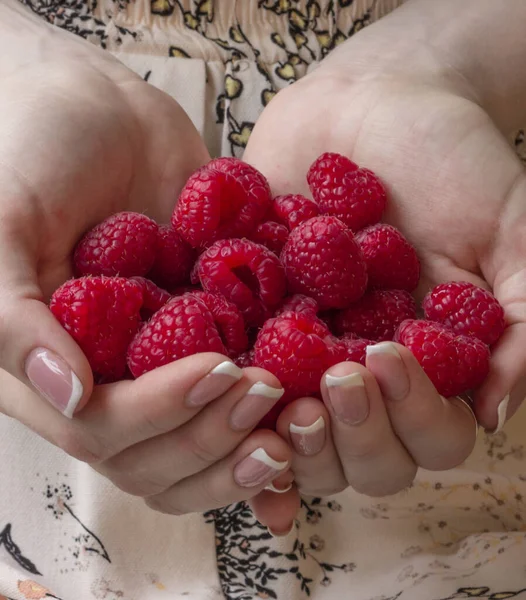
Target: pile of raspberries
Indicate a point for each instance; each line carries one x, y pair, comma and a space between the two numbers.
290, 284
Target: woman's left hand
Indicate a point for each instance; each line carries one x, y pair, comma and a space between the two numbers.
375, 427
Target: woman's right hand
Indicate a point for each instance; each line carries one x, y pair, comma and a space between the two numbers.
82, 137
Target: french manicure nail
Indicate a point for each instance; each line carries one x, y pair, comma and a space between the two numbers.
391, 372
468, 406
348, 397
257, 468
308, 440
502, 413
281, 534
217, 382
272, 488
254, 405
54, 379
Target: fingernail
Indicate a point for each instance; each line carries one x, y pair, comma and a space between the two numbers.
468, 406
217, 382
257, 468
54, 379
309, 440
348, 398
254, 405
390, 370
280, 534
502, 412
272, 488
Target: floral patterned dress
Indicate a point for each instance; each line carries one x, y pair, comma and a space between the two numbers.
66, 533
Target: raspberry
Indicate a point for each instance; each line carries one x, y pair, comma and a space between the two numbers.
467, 309
297, 348
454, 363
248, 175
123, 244
355, 349
392, 262
271, 235
219, 204
323, 260
102, 315
182, 327
376, 315
246, 359
293, 209
228, 320
356, 196
153, 297
298, 303
247, 274
174, 259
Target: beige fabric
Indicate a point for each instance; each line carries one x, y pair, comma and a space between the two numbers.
66, 533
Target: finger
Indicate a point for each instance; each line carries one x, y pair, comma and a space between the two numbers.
438, 433
34, 347
277, 512
504, 390
373, 459
158, 463
122, 414
306, 426
243, 474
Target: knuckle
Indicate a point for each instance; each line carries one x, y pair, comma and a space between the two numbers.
161, 504
199, 448
385, 486
79, 445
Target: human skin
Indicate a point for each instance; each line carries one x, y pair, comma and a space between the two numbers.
425, 101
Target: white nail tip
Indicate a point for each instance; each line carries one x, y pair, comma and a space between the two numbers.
467, 405
262, 389
351, 380
76, 394
262, 456
382, 348
310, 429
270, 487
228, 368
502, 411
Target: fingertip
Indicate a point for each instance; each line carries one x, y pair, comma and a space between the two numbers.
277, 512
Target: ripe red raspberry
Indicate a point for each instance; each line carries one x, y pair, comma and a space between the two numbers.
298, 303
392, 262
454, 363
182, 327
249, 176
467, 309
216, 205
174, 259
272, 235
376, 315
297, 348
356, 196
153, 297
123, 244
292, 209
245, 359
355, 349
102, 315
228, 320
323, 260
247, 274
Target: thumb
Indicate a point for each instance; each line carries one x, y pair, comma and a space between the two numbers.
34, 347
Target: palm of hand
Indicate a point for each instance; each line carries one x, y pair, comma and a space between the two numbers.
117, 144
453, 180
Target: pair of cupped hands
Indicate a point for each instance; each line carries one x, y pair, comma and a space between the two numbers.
82, 137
